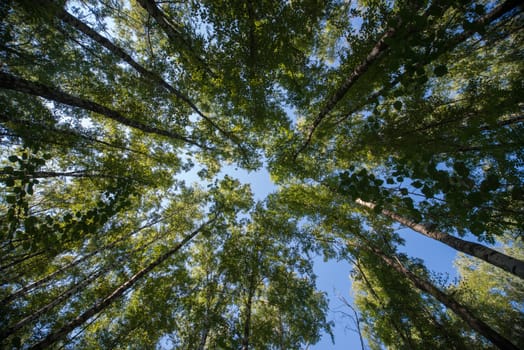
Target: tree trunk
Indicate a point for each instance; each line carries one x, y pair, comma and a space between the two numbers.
21, 260
491, 256
203, 337
356, 319
53, 174
377, 51
11, 82
408, 342
119, 52
43, 280
56, 301
57, 133
174, 34
249, 307
108, 300
66, 17
465, 314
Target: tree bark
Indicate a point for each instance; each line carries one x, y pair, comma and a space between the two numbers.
53, 174
491, 256
11, 82
356, 319
108, 300
203, 337
43, 280
58, 133
460, 310
408, 342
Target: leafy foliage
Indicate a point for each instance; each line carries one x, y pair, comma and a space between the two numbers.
110, 107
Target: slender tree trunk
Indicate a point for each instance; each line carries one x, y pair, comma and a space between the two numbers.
203, 337
56, 301
21, 260
50, 174
249, 307
43, 280
119, 52
281, 332
408, 342
174, 33
460, 310
74, 263
11, 82
56, 136
108, 300
59, 133
376, 53
491, 256
373, 56
356, 318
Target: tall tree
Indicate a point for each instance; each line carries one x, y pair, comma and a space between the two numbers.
498, 296
492, 256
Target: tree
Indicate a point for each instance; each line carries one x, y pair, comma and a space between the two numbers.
367, 114
492, 256
498, 296
466, 315
396, 315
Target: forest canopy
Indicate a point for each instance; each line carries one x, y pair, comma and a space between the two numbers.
370, 116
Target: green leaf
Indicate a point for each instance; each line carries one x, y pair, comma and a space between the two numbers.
428, 191
68, 217
480, 9
8, 169
417, 184
517, 193
16, 342
491, 183
461, 169
477, 228
440, 70
26, 245
397, 105
408, 202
